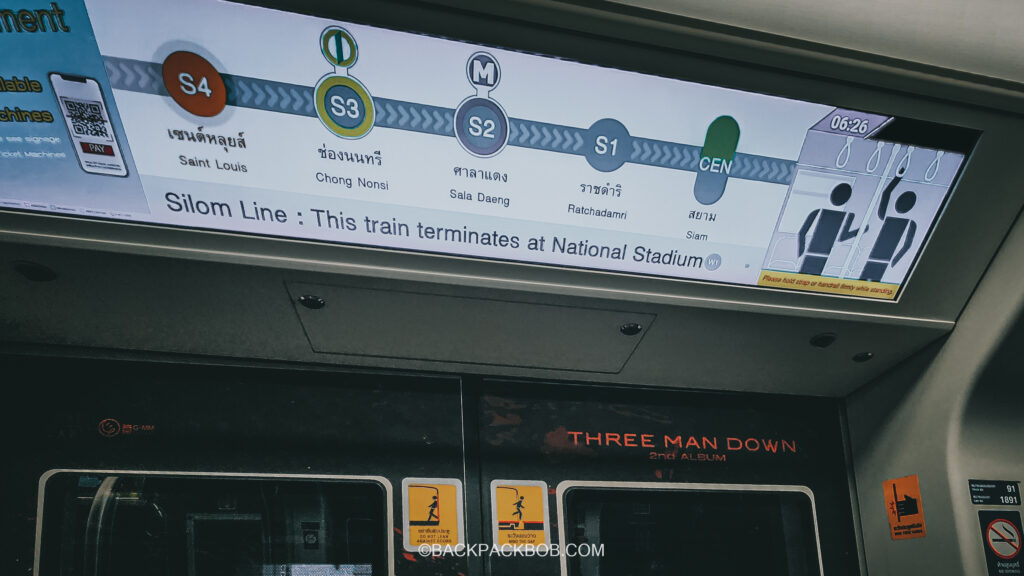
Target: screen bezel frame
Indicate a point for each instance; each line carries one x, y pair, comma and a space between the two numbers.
745, 61
914, 257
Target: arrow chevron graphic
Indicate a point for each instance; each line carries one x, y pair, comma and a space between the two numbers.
112, 72
520, 131
383, 113
542, 136
260, 95
536, 135
414, 117
129, 77
256, 93
657, 153
243, 85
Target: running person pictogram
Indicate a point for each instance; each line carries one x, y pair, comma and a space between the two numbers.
519, 508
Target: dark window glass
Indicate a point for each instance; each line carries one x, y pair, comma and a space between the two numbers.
673, 532
134, 524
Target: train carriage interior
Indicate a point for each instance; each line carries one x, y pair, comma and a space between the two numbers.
516, 287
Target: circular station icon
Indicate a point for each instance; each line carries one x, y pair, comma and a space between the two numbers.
481, 126
713, 261
1003, 538
339, 47
344, 106
607, 144
483, 71
194, 84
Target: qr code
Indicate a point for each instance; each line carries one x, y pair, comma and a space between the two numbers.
86, 118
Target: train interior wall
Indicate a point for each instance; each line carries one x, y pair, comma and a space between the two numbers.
950, 414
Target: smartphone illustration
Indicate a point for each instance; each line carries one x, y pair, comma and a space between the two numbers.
88, 122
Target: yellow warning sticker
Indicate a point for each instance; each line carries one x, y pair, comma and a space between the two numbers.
519, 512
432, 513
812, 283
904, 507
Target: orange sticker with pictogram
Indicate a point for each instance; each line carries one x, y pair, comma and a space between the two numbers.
904, 507
519, 512
432, 513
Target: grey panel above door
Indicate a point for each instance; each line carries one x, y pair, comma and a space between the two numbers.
411, 325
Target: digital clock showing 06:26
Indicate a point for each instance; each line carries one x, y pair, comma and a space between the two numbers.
847, 124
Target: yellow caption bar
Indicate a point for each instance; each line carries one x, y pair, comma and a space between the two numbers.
810, 283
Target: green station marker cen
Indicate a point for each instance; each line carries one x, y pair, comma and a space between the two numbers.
716, 158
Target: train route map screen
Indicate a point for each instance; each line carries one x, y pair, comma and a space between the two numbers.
346, 133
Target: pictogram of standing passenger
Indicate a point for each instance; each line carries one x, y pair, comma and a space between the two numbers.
833, 226
433, 510
519, 508
894, 229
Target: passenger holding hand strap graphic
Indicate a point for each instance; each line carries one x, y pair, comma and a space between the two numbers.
894, 229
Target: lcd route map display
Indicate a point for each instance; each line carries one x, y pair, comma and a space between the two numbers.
217, 115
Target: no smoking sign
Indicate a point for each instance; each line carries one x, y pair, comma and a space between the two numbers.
1003, 538
1001, 533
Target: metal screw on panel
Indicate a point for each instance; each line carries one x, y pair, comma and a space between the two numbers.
863, 356
312, 302
630, 328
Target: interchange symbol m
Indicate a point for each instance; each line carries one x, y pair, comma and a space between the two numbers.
484, 72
